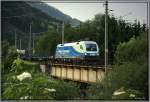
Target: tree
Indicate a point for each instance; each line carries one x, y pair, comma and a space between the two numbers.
47, 43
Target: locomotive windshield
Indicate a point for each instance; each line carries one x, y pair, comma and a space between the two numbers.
91, 47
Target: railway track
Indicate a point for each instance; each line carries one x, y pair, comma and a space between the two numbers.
95, 62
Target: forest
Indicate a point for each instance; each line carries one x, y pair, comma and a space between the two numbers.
128, 57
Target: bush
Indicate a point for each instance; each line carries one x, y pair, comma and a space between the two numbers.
19, 66
126, 94
129, 72
25, 81
29, 88
136, 50
9, 54
66, 90
5, 47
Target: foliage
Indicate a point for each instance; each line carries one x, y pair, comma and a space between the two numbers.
5, 46
130, 72
39, 86
126, 94
47, 43
133, 57
26, 14
66, 90
118, 31
19, 66
30, 88
9, 54
136, 50
127, 46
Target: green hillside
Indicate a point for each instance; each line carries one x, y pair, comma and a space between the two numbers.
54, 12
17, 17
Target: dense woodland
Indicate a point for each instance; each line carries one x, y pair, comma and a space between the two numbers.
128, 57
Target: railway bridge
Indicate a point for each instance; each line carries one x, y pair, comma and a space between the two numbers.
74, 71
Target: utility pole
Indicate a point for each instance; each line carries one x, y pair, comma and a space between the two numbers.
15, 40
33, 42
57, 27
106, 35
20, 44
62, 32
30, 39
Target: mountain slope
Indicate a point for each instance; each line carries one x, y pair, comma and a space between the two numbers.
55, 13
17, 16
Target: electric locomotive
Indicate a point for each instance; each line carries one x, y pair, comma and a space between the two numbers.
81, 49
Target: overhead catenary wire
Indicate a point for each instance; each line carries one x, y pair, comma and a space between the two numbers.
30, 37
20, 43
62, 32
15, 40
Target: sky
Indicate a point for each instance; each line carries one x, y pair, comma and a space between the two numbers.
85, 11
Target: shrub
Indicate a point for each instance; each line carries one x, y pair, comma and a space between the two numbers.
136, 50
65, 90
25, 81
19, 66
130, 72
9, 54
122, 93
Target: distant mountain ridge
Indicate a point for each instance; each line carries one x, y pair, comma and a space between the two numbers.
54, 12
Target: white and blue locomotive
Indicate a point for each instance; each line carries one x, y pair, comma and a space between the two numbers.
79, 49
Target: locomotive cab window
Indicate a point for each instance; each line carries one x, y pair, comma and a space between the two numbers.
91, 47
